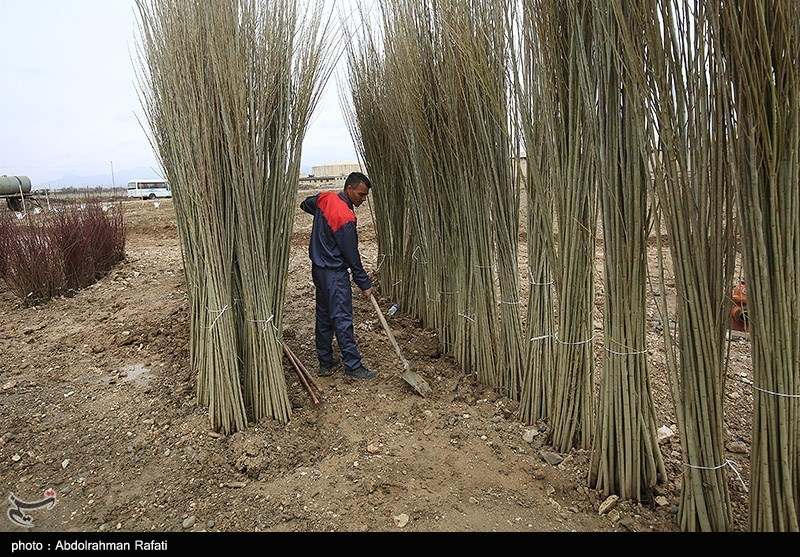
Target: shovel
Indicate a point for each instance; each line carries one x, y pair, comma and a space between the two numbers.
410, 377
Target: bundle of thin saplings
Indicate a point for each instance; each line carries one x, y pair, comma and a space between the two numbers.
617, 100
696, 201
761, 45
228, 89
430, 109
626, 458
558, 114
533, 102
568, 52
671, 52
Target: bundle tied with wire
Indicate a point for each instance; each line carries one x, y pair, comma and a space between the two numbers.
673, 55
626, 458
559, 42
533, 103
228, 89
761, 44
430, 113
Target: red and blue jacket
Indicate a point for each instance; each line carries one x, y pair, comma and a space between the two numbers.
334, 240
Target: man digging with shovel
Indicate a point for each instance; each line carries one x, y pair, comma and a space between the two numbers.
333, 250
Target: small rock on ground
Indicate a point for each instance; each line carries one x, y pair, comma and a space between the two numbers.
553, 459
608, 504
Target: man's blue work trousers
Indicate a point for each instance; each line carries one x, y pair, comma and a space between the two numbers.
335, 315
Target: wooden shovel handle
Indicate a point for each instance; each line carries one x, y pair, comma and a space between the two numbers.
386, 328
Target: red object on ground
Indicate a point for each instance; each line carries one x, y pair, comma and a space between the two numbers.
739, 320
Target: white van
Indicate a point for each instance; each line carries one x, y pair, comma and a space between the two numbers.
149, 189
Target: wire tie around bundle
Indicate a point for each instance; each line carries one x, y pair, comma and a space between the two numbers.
636, 353
534, 283
219, 313
266, 322
774, 393
558, 340
629, 353
380, 263
723, 465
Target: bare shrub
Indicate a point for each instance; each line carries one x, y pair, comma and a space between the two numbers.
106, 228
66, 233
32, 264
59, 253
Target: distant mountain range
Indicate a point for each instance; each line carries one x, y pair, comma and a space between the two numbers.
119, 179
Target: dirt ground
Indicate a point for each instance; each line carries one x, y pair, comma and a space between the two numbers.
97, 402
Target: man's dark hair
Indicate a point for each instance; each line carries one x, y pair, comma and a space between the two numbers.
355, 178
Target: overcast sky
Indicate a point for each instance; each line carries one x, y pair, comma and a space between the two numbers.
68, 96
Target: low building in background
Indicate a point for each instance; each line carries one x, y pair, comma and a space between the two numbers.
329, 176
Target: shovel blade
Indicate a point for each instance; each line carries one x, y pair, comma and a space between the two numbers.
417, 382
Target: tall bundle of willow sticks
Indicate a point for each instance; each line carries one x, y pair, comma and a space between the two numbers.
762, 47
498, 142
626, 459
415, 263
480, 90
678, 63
381, 120
228, 89
622, 95
430, 109
533, 105
563, 36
